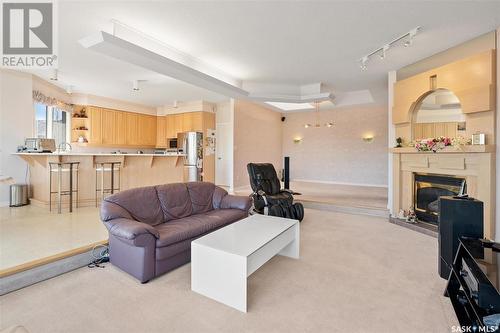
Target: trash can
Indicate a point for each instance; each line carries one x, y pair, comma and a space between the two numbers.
19, 195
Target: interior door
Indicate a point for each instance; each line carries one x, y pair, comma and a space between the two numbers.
223, 153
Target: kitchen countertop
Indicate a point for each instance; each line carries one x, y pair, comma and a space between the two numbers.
98, 154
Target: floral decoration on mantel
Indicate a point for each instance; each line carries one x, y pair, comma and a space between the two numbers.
439, 143
41, 98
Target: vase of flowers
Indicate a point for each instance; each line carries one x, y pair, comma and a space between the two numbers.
433, 144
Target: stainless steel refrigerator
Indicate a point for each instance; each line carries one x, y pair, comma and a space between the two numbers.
192, 145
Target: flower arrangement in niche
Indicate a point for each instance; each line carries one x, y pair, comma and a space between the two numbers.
439, 143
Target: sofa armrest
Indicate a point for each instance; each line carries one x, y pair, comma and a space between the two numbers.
236, 202
129, 229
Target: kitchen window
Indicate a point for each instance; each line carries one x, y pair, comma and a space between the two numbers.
52, 123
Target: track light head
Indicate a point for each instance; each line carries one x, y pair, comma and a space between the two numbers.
363, 61
135, 85
411, 35
54, 76
383, 51
69, 90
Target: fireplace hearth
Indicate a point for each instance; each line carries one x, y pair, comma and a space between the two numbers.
429, 188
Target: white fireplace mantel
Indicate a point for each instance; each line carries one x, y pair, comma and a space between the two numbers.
474, 163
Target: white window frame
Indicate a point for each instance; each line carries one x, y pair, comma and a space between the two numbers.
49, 119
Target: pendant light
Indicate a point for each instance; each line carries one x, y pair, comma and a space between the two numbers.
317, 124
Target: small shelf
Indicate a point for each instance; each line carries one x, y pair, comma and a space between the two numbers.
80, 117
77, 129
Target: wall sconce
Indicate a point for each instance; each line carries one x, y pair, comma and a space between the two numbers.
368, 138
297, 140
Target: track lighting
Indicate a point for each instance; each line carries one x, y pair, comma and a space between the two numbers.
382, 51
54, 75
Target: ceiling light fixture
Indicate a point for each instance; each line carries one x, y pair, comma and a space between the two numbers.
364, 60
54, 76
411, 36
135, 85
318, 124
382, 51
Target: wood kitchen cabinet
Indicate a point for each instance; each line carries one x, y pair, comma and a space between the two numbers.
95, 128
108, 129
132, 129
192, 121
147, 130
161, 132
120, 128
178, 123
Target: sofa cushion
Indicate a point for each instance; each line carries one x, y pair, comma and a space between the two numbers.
175, 201
142, 203
194, 226
201, 194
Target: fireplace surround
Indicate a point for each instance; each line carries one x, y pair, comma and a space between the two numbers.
475, 164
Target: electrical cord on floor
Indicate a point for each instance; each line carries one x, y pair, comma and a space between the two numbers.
100, 255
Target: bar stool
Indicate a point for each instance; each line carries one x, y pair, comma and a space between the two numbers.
115, 181
59, 168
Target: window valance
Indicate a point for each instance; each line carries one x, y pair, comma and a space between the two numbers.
40, 97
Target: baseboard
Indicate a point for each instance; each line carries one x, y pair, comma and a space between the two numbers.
4, 203
337, 183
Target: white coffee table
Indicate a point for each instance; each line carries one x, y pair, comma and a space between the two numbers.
222, 260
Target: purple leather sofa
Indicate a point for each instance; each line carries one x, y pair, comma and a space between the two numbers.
151, 228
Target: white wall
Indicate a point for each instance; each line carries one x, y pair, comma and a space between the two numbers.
224, 124
338, 154
16, 123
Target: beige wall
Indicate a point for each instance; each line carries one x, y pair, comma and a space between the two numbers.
258, 135
338, 154
16, 123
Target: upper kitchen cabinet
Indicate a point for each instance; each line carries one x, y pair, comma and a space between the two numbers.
147, 130
115, 128
161, 132
178, 123
108, 128
132, 129
95, 128
192, 122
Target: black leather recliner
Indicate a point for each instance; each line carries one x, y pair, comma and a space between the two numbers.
268, 197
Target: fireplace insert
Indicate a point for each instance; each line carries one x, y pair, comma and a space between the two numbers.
428, 190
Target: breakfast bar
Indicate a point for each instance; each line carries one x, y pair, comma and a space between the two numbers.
136, 170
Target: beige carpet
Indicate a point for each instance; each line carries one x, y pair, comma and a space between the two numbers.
355, 274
